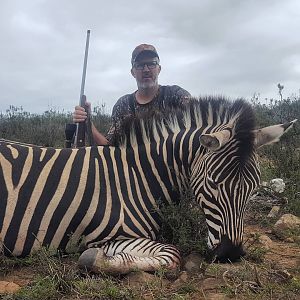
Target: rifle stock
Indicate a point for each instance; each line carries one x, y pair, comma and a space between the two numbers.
81, 127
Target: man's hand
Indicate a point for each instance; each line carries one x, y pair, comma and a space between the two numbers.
79, 114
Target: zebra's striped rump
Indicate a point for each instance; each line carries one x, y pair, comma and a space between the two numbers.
108, 196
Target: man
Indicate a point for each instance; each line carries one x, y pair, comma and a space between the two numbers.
149, 95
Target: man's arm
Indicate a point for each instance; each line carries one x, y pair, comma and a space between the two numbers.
99, 138
119, 109
80, 115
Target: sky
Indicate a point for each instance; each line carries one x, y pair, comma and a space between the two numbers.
233, 48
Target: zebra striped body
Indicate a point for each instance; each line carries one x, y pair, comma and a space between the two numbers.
99, 192
108, 193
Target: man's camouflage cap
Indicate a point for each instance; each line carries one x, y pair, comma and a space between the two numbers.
141, 48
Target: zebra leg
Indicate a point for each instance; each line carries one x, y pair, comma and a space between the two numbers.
124, 256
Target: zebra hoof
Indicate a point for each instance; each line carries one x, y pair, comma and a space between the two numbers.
91, 260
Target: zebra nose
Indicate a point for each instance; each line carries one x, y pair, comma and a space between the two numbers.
228, 252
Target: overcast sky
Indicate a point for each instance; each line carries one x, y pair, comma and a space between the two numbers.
230, 47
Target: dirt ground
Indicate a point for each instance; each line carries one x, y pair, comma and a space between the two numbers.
286, 255
218, 281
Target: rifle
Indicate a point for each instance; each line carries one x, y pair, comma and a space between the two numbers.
80, 128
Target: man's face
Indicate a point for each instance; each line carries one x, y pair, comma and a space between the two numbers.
146, 70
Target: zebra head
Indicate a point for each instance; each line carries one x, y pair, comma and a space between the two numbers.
223, 176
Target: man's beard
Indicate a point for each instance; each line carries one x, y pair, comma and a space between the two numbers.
147, 85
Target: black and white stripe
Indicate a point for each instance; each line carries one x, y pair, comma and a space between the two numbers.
108, 193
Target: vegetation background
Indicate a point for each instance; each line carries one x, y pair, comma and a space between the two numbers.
254, 278
281, 160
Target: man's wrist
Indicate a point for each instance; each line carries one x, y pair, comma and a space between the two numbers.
94, 129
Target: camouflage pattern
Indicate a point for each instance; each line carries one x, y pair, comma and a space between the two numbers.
127, 107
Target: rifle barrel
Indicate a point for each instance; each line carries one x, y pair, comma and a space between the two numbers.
79, 141
86, 53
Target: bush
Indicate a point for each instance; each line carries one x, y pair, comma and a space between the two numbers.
279, 160
184, 226
46, 129
282, 159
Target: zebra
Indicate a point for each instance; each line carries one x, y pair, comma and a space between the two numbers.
108, 197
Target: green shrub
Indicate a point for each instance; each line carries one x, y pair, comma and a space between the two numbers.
46, 129
184, 226
282, 159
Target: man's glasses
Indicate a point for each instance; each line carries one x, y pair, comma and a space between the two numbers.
149, 64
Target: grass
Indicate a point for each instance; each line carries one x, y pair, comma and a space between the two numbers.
57, 277
256, 254
251, 281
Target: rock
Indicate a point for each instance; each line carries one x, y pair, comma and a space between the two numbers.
193, 263
285, 225
7, 287
181, 280
289, 240
277, 185
260, 240
216, 296
139, 278
183, 276
264, 183
285, 275
265, 242
171, 274
212, 283
273, 212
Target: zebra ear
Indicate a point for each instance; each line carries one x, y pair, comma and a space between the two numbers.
214, 141
271, 134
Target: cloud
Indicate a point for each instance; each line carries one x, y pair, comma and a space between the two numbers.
234, 48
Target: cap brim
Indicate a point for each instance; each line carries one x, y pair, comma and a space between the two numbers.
144, 53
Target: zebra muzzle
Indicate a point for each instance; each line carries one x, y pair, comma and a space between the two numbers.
228, 252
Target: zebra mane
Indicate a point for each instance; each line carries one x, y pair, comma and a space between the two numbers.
209, 113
